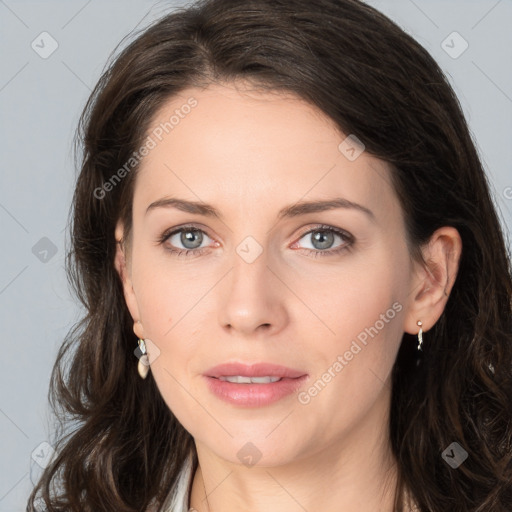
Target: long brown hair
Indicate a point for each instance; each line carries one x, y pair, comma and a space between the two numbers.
119, 446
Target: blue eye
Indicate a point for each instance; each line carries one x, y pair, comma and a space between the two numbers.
191, 238
322, 239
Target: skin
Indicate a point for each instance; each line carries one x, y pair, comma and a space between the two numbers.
249, 154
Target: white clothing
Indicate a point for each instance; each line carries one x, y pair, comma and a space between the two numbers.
179, 500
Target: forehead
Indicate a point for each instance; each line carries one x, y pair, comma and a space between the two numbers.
254, 148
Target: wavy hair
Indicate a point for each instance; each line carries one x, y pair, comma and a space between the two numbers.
118, 446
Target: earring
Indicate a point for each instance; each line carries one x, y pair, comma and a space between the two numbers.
143, 365
420, 335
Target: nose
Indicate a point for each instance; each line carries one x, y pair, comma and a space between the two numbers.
253, 298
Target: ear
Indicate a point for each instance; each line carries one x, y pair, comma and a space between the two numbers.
432, 284
123, 267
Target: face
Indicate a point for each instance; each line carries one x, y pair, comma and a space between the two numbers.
323, 291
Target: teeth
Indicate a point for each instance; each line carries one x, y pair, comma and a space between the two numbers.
239, 379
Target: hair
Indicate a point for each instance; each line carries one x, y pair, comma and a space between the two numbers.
126, 448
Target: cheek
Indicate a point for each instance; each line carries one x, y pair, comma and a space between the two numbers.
164, 292
367, 325
362, 306
352, 296
353, 364
167, 300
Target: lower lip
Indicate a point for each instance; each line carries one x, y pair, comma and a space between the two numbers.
253, 395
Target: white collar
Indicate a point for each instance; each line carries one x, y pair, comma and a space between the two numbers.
179, 499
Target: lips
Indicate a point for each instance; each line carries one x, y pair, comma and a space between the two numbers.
253, 370
245, 385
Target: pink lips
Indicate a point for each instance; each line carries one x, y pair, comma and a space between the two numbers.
253, 395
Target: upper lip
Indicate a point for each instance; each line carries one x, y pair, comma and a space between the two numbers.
253, 370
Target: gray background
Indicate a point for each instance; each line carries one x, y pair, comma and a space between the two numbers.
40, 101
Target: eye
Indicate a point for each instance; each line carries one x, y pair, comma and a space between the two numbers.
184, 241
322, 239
187, 241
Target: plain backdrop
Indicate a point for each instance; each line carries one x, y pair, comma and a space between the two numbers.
52, 53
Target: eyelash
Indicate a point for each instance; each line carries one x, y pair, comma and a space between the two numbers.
314, 252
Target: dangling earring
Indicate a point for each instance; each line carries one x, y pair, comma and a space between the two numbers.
420, 335
143, 365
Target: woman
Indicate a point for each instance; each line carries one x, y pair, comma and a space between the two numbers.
282, 222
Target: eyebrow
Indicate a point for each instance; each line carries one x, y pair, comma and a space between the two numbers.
294, 210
